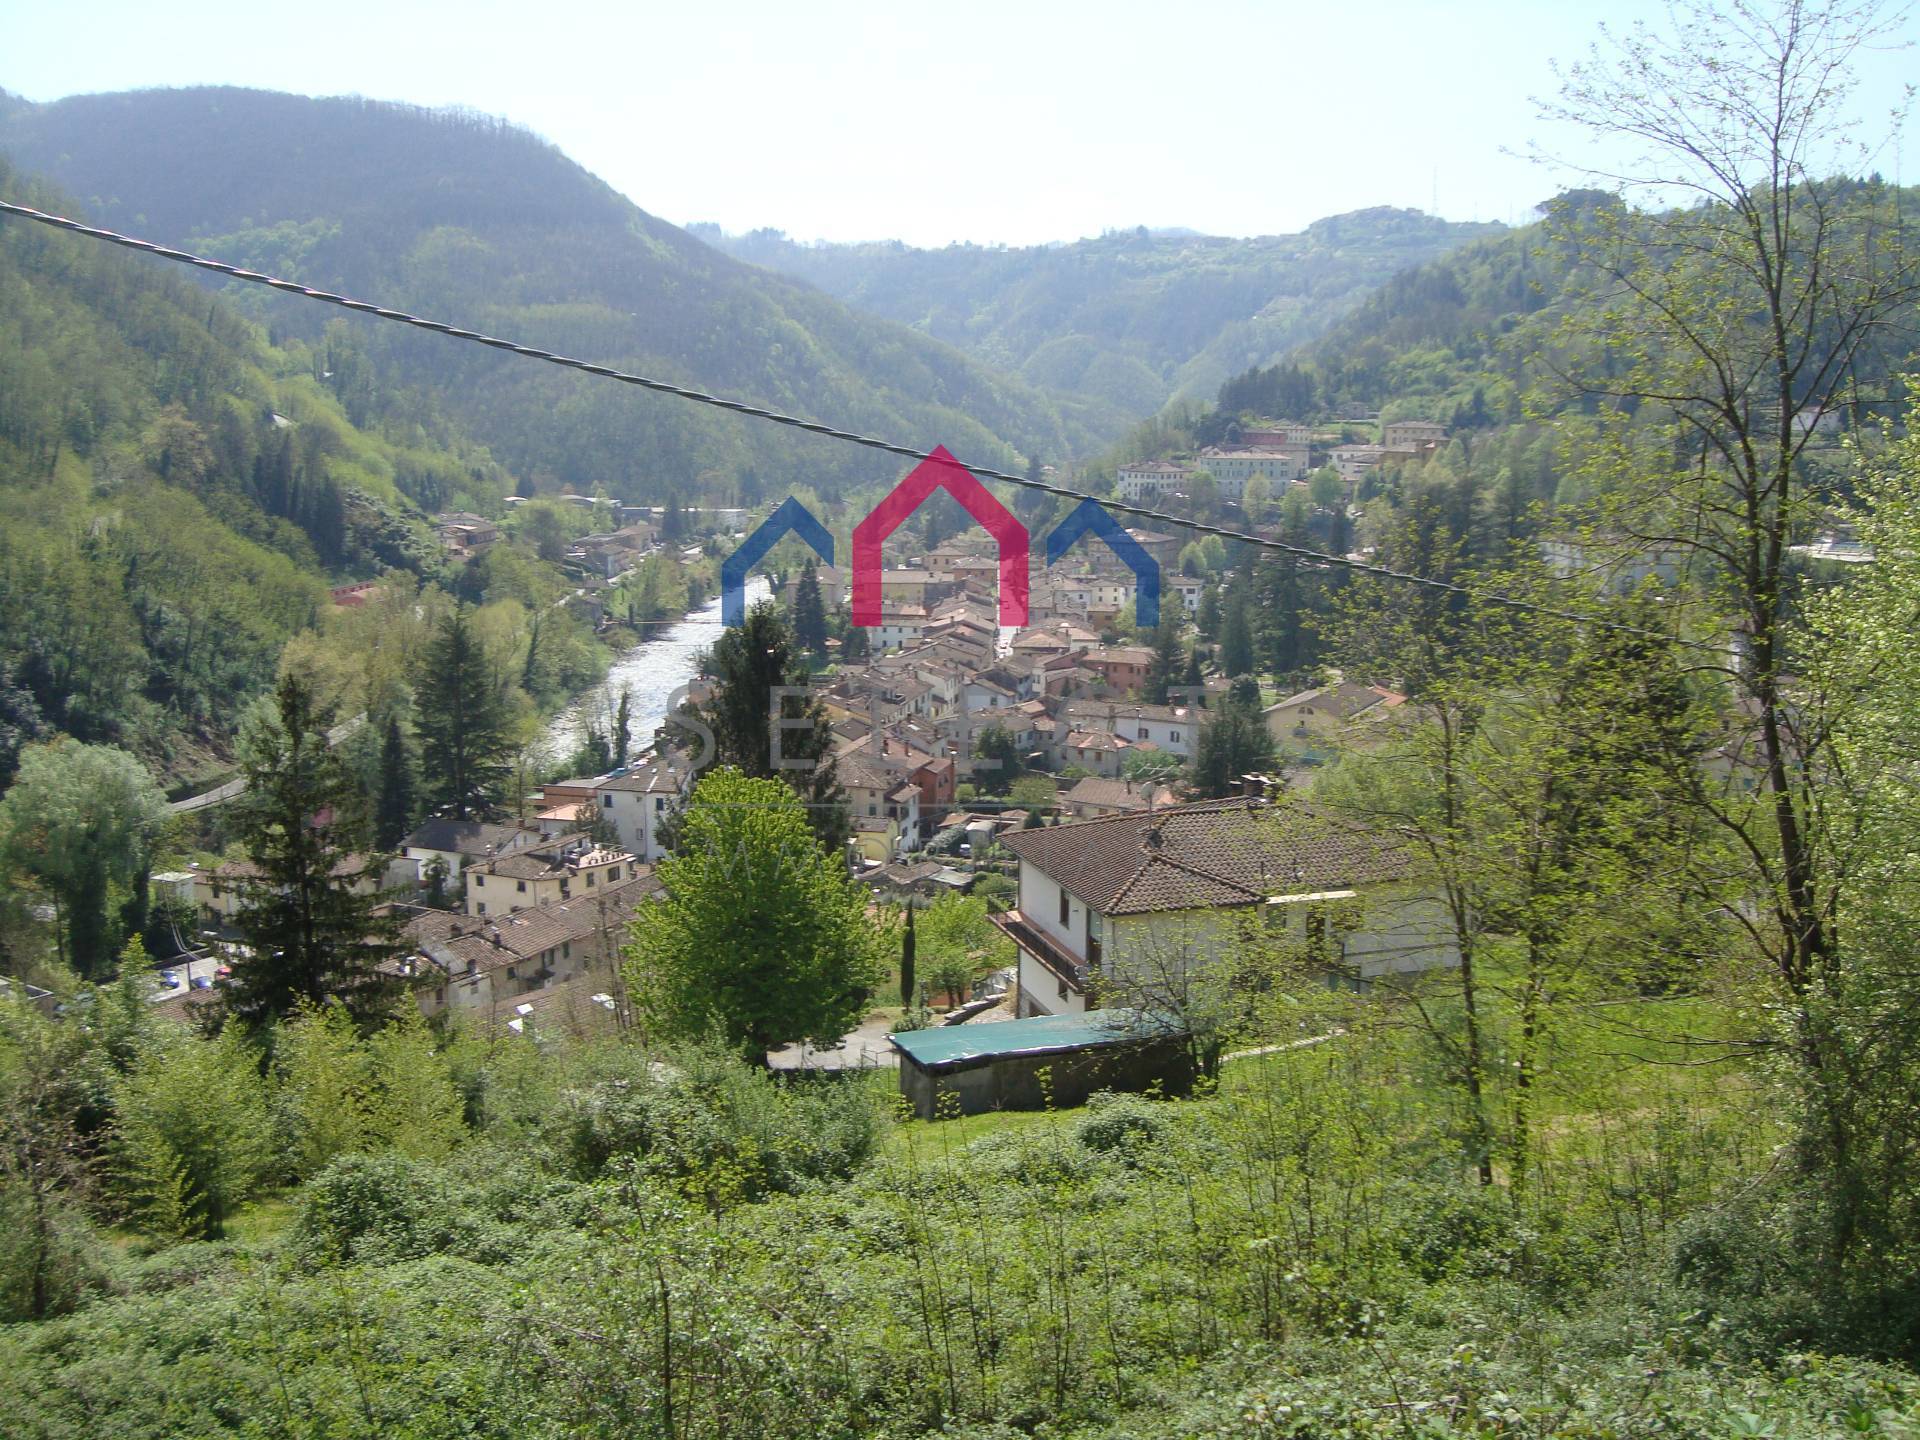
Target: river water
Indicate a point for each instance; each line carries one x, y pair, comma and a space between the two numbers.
654, 669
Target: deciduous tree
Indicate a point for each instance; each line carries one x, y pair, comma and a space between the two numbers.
80, 819
760, 938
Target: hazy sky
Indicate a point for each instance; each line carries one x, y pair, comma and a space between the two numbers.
1011, 122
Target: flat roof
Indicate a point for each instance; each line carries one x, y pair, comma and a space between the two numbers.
955, 1046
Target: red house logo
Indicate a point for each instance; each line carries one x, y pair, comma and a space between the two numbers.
940, 471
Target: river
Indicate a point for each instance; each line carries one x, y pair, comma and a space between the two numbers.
654, 669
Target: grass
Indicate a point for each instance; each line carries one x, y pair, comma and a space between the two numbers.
933, 1139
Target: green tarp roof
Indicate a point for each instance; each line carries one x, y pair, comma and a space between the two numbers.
947, 1045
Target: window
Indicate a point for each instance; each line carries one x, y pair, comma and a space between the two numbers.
481, 908
510, 974
606, 800
1066, 908
521, 885
479, 880
1143, 733
593, 877
1173, 737
566, 950
659, 803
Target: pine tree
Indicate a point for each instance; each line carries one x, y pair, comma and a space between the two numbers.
746, 664
1209, 621
809, 613
394, 806
303, 821
462, 722
1234, 742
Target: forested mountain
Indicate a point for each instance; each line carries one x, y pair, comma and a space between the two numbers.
173, 490
1467, 337
473, 220
1129, 320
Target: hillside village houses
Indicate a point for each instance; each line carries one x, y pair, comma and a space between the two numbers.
1124, 910
1316, 717
523, 913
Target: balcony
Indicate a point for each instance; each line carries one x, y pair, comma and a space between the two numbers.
1044, 948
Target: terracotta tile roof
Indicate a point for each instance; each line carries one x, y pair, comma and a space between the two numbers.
469, 837
577, 1009
1106, 794
1219, 853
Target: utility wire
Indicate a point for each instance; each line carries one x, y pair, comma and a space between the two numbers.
814, 427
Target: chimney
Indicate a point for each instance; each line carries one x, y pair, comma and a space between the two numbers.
493, 934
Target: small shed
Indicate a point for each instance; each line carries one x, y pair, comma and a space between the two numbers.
1047, 1061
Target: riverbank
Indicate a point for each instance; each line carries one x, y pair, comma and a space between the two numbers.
652, 670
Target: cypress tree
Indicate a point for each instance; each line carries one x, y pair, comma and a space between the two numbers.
305, 826
463, 723
623, 727
906, 961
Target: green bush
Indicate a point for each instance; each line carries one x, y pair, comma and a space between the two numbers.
1120, 1123
703, 1118
375, 1208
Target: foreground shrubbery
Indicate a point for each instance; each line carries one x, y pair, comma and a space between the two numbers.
626, 1243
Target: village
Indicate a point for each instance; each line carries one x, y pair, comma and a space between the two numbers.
1029, 767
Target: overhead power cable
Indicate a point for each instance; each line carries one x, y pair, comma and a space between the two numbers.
814, 427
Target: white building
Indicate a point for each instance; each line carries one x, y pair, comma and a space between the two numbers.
1172, 728
1114, 909
1411, 434
1356, 462
1150, 480
635, 803
1232, 469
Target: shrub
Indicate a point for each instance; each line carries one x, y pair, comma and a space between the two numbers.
1122, 1123
377, 1208
730, 1132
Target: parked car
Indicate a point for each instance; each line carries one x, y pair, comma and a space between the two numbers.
170, 979
203, 982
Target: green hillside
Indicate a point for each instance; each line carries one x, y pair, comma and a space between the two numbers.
175, 492
474, 220
1132, 319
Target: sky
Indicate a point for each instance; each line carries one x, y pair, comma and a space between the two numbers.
989, 122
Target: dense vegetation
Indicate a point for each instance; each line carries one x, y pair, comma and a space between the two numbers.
475, 221
1132, 319
175, 487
